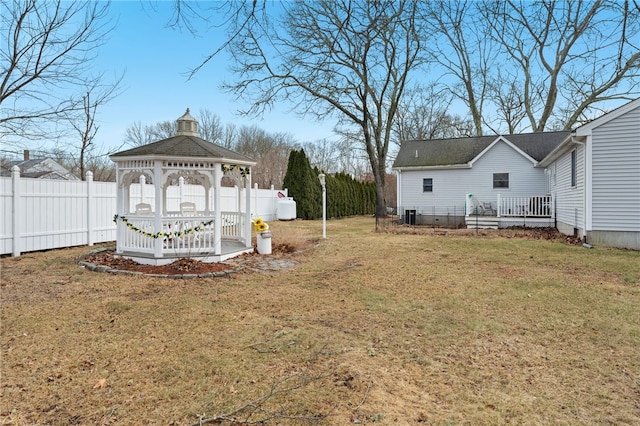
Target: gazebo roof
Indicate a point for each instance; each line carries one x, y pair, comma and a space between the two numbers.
184, 146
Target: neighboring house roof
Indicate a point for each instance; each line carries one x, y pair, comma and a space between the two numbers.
464, 151
43, 168
184, 146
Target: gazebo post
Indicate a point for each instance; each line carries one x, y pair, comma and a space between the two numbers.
207, 194
157, 215
247, 213
217, 204
143, 184
120, 210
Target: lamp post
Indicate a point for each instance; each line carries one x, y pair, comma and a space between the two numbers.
321, 177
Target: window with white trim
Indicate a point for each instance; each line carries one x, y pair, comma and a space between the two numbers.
500, 180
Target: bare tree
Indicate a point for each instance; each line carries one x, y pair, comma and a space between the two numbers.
209, 126
139, 134
47, 48
345, 59
351, 153
424, 114
323, 154
524, 65
104, 170
508, 98
85, 123
209, 129
569, 55
463, 51
271, 152
229, 135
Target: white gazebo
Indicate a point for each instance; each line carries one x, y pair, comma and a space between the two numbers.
158, 229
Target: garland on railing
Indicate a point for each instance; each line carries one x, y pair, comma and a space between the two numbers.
244, 171
161, 234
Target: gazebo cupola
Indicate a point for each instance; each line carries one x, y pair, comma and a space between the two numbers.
169, 199
187, 125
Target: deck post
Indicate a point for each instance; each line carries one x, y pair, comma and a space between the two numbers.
469, 205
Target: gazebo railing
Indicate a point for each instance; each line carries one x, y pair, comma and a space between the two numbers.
180, 235
232, 225
135, 234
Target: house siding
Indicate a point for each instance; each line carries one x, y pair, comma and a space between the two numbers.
616, 174
450, 186
569, 199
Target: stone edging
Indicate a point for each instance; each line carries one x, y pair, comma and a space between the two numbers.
102, 268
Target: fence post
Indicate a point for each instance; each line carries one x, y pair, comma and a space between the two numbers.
274, 203
90, 207
17, 214
256, 198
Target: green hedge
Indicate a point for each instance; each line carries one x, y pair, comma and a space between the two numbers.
345, 195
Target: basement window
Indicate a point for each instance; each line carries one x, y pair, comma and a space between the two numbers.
500, 180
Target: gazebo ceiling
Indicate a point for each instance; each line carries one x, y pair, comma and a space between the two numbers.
184, 146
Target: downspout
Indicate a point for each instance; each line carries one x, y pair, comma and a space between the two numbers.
399, 193
584, 189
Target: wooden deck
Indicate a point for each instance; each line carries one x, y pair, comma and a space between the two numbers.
495, 222
526, 211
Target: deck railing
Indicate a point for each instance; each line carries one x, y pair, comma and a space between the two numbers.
525, 206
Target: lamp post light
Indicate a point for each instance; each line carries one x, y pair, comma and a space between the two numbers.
322, 179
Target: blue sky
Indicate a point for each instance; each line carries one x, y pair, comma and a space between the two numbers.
155, 61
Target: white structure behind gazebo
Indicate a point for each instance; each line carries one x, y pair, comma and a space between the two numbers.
152, 234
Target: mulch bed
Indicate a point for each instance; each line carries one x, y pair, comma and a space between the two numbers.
181, 266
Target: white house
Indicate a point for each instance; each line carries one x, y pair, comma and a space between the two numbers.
585, 182
595, 178
450, 181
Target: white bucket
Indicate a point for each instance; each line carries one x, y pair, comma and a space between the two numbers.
264, 242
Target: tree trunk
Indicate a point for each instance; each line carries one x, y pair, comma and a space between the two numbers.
381, 203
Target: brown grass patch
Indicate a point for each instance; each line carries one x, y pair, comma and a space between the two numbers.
370, 327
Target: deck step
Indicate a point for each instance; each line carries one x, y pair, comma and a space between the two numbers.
482, 222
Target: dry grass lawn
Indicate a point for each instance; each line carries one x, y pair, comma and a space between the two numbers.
419, 327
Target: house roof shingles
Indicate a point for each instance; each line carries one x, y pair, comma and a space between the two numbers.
459, 151
40, 168
183, 146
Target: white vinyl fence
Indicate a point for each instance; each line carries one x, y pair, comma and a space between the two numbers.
41, 214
